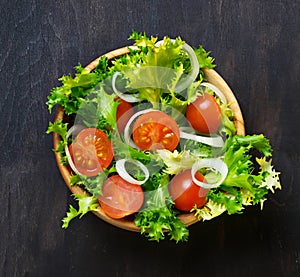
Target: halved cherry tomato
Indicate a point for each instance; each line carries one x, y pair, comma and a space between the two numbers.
156, 130
185, 193
120, 198
124, 113
204, 114
91, 151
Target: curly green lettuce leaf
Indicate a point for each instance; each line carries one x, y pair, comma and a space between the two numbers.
259, 142
93, 185
124, 151
270, 176
163, 55
229, 198
243, 185
60, 128
228, 120
140, 38
156, 68
241, 175
74, 89
176, 161
209, 211
99, 109
179, 102
85, 205
204, 58
107, 107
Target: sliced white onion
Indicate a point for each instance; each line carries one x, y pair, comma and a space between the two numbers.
126, 97
215, 141
120, 167
216, 90
70, 161
190, 78
127, 135
212, 163
74, 130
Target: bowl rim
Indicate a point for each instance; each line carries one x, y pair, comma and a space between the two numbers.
125, 223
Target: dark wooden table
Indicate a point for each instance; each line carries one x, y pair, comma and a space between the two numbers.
256, 46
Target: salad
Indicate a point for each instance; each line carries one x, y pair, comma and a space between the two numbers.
149, 138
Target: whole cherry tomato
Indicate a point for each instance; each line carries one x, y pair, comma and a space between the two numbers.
185, 193
204, 114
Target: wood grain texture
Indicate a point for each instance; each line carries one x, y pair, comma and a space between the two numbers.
256, 46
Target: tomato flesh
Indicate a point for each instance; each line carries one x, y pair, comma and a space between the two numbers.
156, 130
185, 193
120, 198
204, 114
91, 151
124, 113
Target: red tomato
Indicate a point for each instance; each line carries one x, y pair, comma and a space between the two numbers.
124, 113
185, 193
156, 130
204, 114
91, 151
120, 198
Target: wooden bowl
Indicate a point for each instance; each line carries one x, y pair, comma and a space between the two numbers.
126, 223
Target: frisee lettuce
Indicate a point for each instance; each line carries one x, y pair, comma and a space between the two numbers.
243, 185
74, 89
99, 110
85, 203
60, 128
91, 185
176, 161
153, 72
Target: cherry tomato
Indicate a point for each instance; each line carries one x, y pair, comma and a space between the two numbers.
120, 198
185, 193
204, 114
156, 130
124, 113
91, 151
